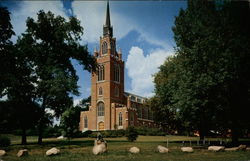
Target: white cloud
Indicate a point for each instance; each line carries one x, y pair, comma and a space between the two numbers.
92, 16
77, 101
141, 69
30, 9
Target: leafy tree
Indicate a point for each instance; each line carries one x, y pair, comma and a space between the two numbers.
4, 141
16, 82
70, 121
131, 133
206, 82
164, 115
6, 47
51, 43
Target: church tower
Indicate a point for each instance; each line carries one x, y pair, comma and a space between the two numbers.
108, 81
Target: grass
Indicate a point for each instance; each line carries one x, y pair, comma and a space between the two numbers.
80, 149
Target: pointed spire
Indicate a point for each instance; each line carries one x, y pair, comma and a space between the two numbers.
107, 28
107, 16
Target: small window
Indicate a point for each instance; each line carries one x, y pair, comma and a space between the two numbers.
104, 48
120, 119
100, 109
100, 91
85, 122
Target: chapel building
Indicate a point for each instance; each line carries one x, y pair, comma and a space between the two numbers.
111, 107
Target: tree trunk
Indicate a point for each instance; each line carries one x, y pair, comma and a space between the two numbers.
202, 130
41, 122
40, 132
24, 137
235, 136
202, 136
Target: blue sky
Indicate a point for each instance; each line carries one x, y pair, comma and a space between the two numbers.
143, 30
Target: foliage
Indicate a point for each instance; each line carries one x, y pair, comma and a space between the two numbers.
5, 48
105, 134
16, 75
86, 133
51, 43
131, 133
164, 115
70, 121
150, 131
206, 83
4, 141
52, 131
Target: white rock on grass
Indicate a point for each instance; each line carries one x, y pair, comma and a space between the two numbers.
60, 137
242, 147
187, 149
134, 150
2, 153
232, 149
162, 149
99, 147
22, 153
216, 148
52, 151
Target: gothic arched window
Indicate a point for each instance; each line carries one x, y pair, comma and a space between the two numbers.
100, 109
104, 48
120, 119
85, 122
116, 73
101, 73
100, 92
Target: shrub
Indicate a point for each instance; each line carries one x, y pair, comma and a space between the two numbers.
4, 141
150, 131
52, 132
131, 133
108, 133
87, 133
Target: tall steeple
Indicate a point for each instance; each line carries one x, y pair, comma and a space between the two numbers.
107, 15
107, 28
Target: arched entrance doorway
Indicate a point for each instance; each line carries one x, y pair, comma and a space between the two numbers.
101, 125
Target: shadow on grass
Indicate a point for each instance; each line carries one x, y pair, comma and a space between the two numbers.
60, 143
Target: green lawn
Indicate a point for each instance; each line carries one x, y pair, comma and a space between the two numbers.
80, 149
